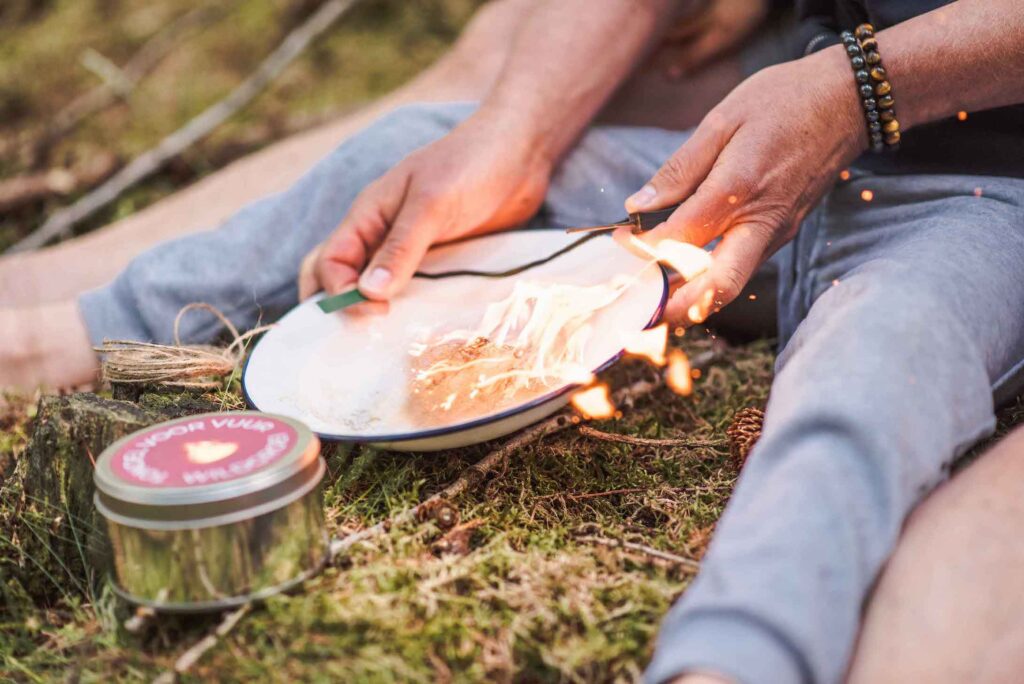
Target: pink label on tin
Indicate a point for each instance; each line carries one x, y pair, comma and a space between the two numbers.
203, 451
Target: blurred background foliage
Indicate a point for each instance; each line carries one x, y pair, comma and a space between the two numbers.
53, 51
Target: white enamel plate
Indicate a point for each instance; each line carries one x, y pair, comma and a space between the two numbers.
347, 376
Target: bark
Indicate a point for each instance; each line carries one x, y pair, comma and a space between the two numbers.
52, 541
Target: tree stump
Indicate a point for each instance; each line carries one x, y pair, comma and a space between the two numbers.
54, 540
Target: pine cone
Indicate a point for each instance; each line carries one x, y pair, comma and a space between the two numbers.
744, 432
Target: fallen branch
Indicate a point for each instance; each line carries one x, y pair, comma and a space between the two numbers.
476, 472
60, 223
683, 561
24, 190
645, 441
186, 660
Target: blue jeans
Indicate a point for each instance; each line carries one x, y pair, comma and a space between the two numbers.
898, 317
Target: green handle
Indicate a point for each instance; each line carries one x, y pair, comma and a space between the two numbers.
340, 301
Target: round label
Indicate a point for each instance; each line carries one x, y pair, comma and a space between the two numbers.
203, 451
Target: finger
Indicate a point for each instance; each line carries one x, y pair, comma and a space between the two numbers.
680, 176
735, 259
309, 284
713, 207
346, 252
398, 257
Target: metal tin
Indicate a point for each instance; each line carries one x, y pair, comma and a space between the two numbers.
211, 511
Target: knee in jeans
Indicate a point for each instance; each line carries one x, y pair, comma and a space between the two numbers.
422, 120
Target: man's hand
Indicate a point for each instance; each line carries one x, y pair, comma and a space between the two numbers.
477, 178
752, 170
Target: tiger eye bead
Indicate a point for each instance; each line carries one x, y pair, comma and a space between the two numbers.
868, 44
864, 31
887, 115
891, 126
892, 138
883, 88
878, 73
886, 102
872, 57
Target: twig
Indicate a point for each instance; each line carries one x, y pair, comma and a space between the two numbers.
683, 561
60, 223
474, 473
22, 190
646, 441
190, 657
592, 495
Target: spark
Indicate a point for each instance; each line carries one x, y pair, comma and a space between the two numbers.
977, 192
679, 331
844, 174
594, 402
961, 115
867, 195
752, 297
649, 344
733, 199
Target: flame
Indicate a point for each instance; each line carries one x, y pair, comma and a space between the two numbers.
594, 402
531, 341
700, 309
685, 259
650, 344
677, 375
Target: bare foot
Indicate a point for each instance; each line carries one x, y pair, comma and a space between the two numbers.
45, 346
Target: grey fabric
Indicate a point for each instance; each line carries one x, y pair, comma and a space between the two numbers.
247, 267
899, 316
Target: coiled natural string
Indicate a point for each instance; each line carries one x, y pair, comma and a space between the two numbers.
197, 366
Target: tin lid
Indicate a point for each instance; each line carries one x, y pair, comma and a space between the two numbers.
208, 464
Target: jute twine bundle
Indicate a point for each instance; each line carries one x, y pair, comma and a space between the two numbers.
199, 366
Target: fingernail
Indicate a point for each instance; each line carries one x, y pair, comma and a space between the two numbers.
375, 281
641, 198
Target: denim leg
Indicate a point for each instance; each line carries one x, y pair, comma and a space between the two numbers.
909, 312
248, 266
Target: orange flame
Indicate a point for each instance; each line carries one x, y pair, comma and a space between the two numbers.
649, 344
594, 402
685, 259
700, 309
677, 376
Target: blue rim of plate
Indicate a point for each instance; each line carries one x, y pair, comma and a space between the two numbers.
478, 422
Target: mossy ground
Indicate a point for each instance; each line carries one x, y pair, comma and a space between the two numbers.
531, 600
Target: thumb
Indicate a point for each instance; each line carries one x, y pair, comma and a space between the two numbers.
398, 257
684, 171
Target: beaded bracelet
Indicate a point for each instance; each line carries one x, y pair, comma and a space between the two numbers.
873, 87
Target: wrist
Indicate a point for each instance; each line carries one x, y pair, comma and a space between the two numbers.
841, 102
